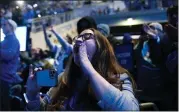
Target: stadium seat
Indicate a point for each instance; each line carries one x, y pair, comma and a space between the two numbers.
149, 81
124, 55
149, 106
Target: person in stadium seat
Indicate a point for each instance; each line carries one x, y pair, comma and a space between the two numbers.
93, 80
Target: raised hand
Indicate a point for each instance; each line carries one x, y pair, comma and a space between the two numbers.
80, 49
32, 89
150, 31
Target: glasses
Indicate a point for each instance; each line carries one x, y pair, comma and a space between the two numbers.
84, 37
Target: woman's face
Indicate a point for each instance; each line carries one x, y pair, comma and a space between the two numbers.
90, 45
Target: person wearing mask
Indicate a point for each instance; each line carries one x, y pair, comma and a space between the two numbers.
93, 80
9, 60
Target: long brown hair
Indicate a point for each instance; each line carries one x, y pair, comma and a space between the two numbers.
104, 62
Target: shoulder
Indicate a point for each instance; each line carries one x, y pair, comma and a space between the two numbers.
129, 100
126, 83
124, 76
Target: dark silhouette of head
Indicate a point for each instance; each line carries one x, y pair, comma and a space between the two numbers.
86, 23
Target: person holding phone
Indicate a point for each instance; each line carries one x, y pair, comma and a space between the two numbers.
92, 80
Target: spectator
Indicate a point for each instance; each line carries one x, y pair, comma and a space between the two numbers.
90, 80
85, 23
171, 56
28, 15
154, 38
2, 12
104, 29
9, 61
151, 52
8, 14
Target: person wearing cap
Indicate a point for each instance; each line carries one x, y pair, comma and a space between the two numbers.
86, 23
151, 51
104, 29
9, 60
151, 45
28, 15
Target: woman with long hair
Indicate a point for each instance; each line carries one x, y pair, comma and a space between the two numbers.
92, 80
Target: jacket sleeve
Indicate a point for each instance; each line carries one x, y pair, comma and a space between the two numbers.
8, 50
116, 100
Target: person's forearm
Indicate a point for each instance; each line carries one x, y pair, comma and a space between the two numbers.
62, 41
46, 38
99, 85
109, 97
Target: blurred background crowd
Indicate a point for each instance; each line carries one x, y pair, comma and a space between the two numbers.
40, 16
20, 11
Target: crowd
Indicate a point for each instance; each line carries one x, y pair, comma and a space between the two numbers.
90, 75
22, 13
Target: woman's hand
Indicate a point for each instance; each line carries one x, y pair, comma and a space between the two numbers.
84, 61
32, 89
82, 52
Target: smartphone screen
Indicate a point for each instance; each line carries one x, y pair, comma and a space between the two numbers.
47, 78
